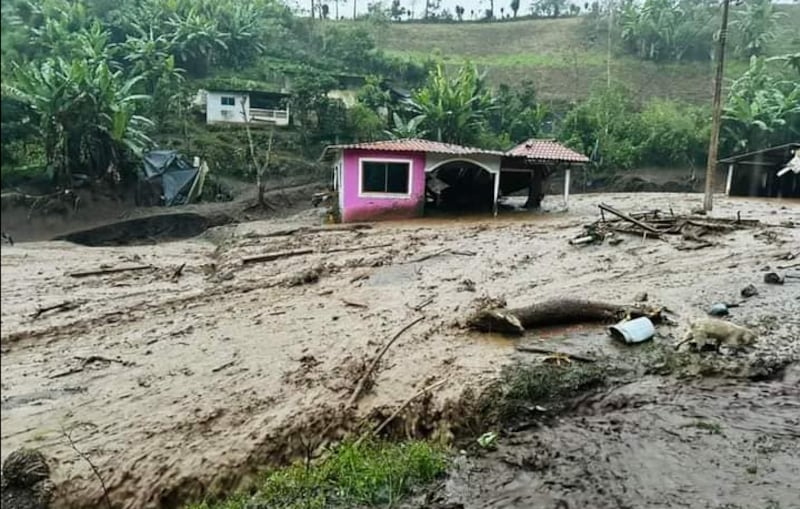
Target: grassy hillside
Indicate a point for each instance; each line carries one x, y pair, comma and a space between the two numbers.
560, 59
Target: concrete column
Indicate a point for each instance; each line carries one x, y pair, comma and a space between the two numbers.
566, 186
496, 191
729, 180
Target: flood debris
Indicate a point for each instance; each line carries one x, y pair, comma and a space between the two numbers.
268, 257
773, 278
108, 270
749, 291
368, 373
496, 318
555, 353
26, 482
718, 309
637, 330
654, 224
67, 305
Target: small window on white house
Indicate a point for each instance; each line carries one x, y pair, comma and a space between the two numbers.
385, 177
227, 100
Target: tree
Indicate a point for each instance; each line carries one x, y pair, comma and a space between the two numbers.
490, 11
85, 115
454, 108
763, 109
396, 12
515, 7
460, 12
325, 11
402, 129
755, 27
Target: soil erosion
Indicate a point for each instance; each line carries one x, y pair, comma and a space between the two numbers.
181, 368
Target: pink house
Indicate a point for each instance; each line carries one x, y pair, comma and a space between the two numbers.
398, 179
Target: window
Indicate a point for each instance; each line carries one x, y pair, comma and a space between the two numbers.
227, 100
385, 177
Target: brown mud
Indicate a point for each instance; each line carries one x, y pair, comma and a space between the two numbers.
177, 387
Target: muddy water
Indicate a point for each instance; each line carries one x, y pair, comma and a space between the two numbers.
221, 371
650, 443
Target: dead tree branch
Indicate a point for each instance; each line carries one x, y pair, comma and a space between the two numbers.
85, 457
360, 387
113, 270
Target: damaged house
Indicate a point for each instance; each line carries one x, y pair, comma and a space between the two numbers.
772, 172
407, 178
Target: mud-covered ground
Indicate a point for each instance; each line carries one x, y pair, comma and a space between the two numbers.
176, 387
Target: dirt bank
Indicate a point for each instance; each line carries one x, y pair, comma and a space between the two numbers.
177, 387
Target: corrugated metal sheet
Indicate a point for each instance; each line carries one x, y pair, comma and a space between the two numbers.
547, 150
414, 145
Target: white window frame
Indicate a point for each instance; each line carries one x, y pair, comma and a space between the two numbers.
372, 194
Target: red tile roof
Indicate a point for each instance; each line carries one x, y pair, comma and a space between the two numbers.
414, 145
547, 150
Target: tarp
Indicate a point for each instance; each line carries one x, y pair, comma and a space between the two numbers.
167, 173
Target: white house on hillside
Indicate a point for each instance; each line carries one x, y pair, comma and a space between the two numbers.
241, 106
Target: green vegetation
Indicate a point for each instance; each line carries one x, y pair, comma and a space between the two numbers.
524, 387
365, 474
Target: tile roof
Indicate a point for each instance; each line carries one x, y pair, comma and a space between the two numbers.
414, 145
547, 150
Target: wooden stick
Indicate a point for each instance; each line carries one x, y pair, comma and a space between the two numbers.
360, 387
114, 270
546, 351
400, 409
358, 248
628, 218
178, 272
64, 306
319, 229
354, 304
268, 257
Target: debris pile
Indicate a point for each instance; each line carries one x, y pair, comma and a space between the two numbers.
692, 229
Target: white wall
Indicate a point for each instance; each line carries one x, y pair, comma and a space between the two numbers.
216, 112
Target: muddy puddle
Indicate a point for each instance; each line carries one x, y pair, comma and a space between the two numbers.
653, 442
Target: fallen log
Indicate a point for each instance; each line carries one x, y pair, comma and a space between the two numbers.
358, 248
113, 270
268, 257
556, 312
628, 218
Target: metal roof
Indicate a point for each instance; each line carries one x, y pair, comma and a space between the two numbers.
780, 153
413, 145
547, 150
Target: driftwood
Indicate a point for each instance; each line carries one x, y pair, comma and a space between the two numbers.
358, 248
546, 351
177, 274
555, 312
354, 304
268, 257
113, 270
442, 252
360, 386
630, 219
319, 229
64, 306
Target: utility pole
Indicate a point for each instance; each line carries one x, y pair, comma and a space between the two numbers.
610, 28
716, 118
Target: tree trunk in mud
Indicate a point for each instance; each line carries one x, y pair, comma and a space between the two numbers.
535, 193
555, 312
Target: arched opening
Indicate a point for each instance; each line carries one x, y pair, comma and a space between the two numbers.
459, 186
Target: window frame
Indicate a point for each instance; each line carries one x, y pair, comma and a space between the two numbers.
385, 160
222, 99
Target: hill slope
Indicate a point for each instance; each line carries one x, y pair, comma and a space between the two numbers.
559, 58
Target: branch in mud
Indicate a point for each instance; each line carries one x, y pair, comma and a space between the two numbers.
85, 457
111, 270
556, 312
64, 306
362, 382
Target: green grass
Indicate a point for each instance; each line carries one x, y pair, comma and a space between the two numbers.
366, 474
561, 61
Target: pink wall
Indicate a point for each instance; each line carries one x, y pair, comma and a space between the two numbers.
372, 208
